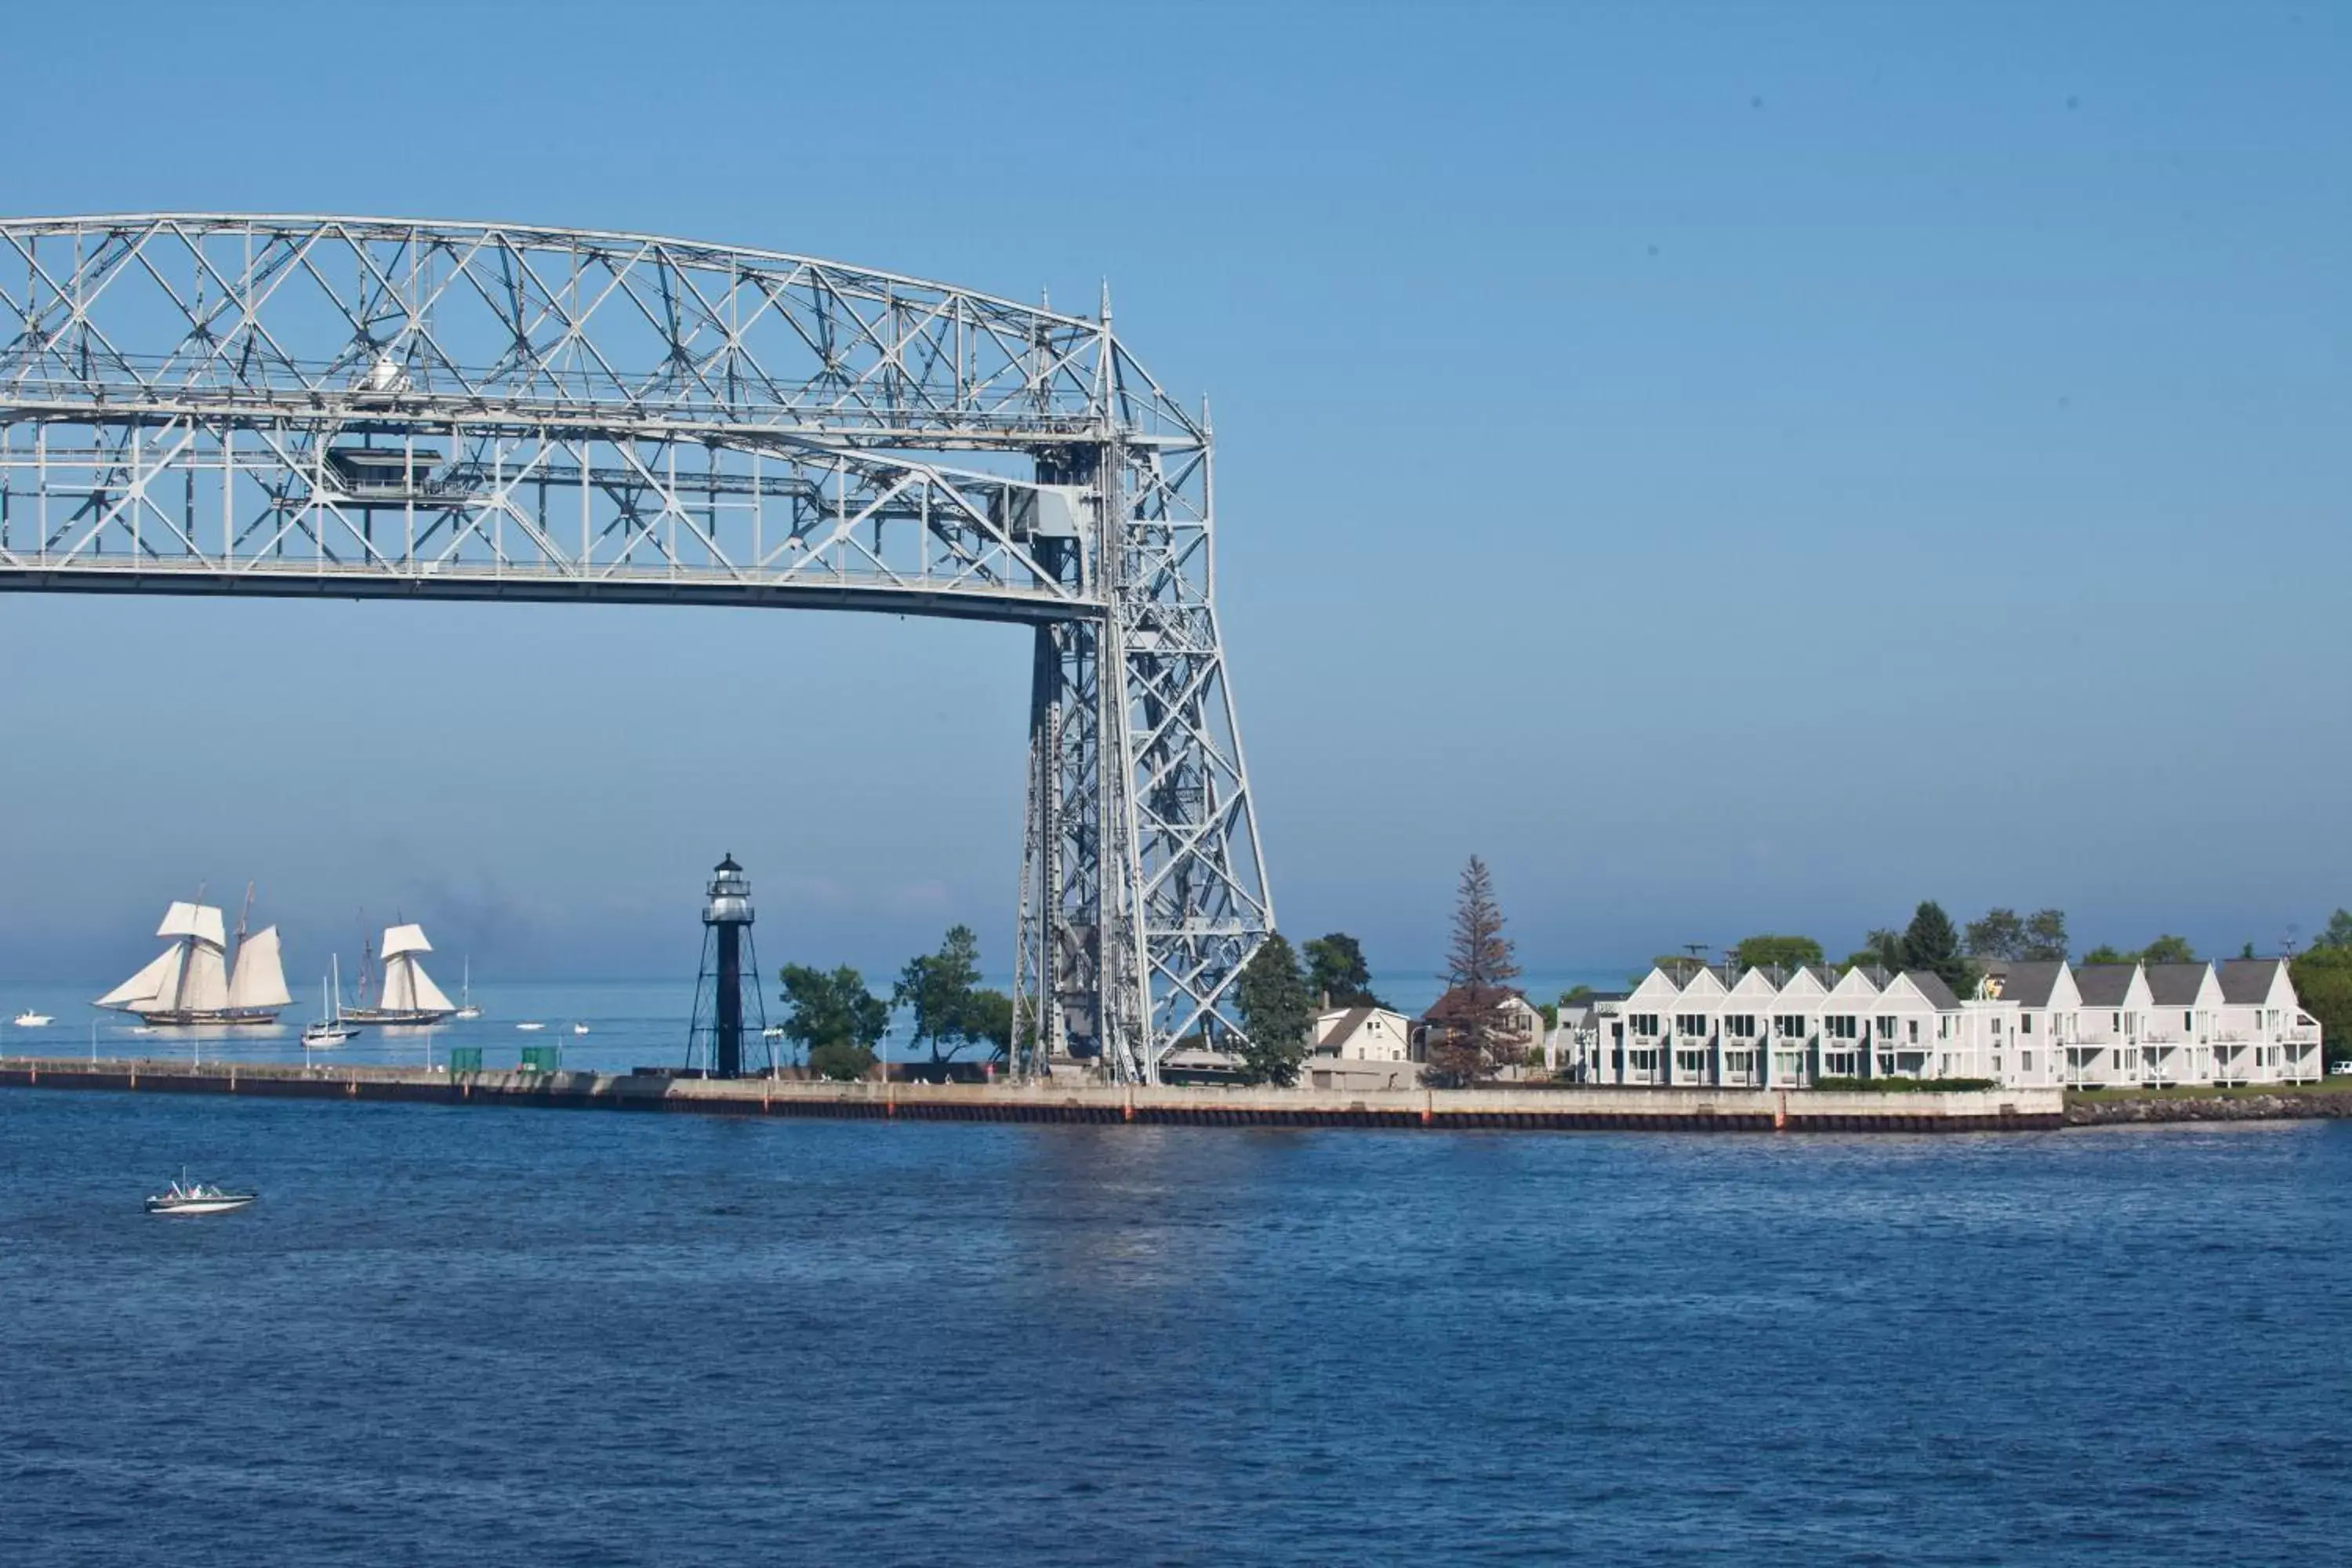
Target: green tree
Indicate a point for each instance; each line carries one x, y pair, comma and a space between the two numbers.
2045, 937
1999, 935
1336, 968
988, 1021
2039, 937
2322, 983
2168, 950
1576, 997
2103, 953
1882, 949
1479, 963
832, 1016
1929, 942
1766, 952
2338, 932
938, 989
1276, 1014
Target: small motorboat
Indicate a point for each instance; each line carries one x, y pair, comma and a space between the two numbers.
28, 1019
579, 1029
530, 1028
184, 1196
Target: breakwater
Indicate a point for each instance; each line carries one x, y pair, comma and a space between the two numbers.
2283, 1105
1659, 1109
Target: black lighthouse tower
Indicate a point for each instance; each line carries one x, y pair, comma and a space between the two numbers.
727, 996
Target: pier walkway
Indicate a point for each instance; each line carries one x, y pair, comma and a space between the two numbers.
1660, 1110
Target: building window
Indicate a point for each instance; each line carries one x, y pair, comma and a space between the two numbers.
1741, 1025
2025, 1024
1914, 1031
1886, 1029
2188, 1022
1790, 1025
1645, 1026
1841, 1026
2025, 1058
1690, 1024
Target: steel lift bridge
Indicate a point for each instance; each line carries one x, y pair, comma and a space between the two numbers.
370, 407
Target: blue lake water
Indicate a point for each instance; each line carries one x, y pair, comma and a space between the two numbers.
505, 1335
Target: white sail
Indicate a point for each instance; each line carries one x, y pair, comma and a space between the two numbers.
430, 998
398, 939
398, 995
199, 920
259, 980
158, 979
205, 987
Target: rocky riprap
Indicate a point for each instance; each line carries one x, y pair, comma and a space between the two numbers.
2286, 1106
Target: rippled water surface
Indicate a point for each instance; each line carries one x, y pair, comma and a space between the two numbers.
505, 1335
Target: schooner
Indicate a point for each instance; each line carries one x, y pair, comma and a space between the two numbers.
408, 994
195, 979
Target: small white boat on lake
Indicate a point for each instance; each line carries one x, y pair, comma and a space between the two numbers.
329, 1030
530, 1028
184, 1196
466, 1012
28, 1019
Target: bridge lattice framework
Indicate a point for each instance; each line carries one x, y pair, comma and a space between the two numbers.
217, 403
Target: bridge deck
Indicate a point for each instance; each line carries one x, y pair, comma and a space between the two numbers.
291, 577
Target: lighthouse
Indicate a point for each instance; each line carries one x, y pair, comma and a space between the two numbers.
730, 968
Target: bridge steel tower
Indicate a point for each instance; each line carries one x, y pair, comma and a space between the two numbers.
228, 405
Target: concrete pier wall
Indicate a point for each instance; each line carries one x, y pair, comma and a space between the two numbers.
1663, 1110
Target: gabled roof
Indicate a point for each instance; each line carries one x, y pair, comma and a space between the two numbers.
2176, 984
1931, 986
1866, 978
1351, 1019
1455, 1002
2104, 984
2029, 984
2249, 980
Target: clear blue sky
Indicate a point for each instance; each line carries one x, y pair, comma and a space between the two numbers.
1736, 468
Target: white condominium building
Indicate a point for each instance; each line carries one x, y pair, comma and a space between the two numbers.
2097, 1025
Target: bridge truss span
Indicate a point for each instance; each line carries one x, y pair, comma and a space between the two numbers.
357, 407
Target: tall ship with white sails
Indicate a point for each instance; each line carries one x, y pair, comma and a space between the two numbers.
407, 995
196, 981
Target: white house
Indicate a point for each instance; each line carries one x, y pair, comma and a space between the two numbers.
1359, 1048
2104, 1052
2262, 1035
1363, 1033
2029, 1025
2028, 1013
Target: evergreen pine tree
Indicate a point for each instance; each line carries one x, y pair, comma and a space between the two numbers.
1478, 963
1276, 1014
1929, 942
